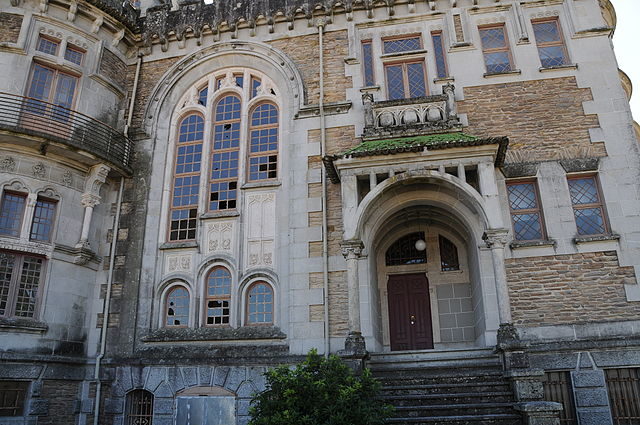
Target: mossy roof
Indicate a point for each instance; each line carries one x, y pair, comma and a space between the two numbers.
407, 143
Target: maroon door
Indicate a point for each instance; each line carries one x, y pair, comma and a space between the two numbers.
409, 312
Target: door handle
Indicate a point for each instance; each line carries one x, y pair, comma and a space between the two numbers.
412, 319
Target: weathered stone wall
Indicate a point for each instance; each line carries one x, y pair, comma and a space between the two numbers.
338, 302
573, 288
113, 68
10, 28
304, 52
543, 119
61, 396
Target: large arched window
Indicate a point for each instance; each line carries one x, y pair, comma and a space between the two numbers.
225, 154
263, 143
139, 408
186, 181
218, 297
260, 304
177, 307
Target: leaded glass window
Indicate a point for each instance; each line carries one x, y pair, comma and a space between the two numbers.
406, 80
400, 45
551, 47
403, 251
438, 51
495, 47
367, 63
20, 280
263, 143
587, 204
448, 255
11, 212
526, 214
177, 307
260, 304
186, 182
218, 297
43, 216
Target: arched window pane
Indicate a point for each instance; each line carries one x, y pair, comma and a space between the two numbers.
177, 307
218, 297
139, 408
403, 251
225, 155
260, 304
186, 181
448, 255
263, 144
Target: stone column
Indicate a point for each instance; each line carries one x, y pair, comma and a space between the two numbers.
89, 202
25, 231
352, 251
496, 240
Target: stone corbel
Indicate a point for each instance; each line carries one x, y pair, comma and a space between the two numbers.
44, 5
73, 9
15, 3
118, 36
97, 23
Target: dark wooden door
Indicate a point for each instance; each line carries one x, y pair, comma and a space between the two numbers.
409, 312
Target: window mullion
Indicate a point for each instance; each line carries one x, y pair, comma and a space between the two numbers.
27, 219
12, 299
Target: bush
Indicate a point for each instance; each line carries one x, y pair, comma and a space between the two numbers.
319, 392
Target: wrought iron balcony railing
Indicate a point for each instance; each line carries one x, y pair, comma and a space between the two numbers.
56, 123
410, 117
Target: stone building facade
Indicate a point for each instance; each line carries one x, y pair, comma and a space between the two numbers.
193, 193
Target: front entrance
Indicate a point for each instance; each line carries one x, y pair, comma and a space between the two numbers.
409, 312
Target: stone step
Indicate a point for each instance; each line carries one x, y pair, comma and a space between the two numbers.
412, 400
426, 356
446, 388
431, 376
497, 419
469, 409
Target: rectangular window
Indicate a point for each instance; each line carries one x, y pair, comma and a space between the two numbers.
47, 45
551, 48
12, 397
11, 212
406, 80
74, 54
43, 216
20, 279
495, 48
624, 395
557, 388
367, 63
526, 214
438, 51
588, 209
53, 86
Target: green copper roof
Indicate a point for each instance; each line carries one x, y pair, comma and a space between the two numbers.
408, 142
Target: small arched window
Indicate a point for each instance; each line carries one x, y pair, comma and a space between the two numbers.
223, 193
218, 297
260, 304
139, 408
403, 251
263, 143
177, 307
186, 180
448, 255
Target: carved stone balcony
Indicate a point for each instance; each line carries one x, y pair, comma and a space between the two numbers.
52, 128
410, 117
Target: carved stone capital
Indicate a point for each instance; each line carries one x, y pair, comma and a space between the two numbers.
89, 200
496, 238
351, 249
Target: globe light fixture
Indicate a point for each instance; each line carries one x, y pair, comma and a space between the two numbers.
421, 245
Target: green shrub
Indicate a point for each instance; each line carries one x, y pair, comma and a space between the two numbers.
319, 392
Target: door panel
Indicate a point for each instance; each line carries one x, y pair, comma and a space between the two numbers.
409, 312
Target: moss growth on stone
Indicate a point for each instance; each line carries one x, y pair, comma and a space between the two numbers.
409, 142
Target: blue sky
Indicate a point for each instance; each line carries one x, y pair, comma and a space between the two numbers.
626, 42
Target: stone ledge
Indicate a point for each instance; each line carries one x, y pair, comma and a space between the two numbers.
178, 245
596, 238
215, 334
262, 185
218, 214
23, 325
558, 68
331, 108
500, 74
532, 244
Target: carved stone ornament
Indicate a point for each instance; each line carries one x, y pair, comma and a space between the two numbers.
8, 165
39, 170
89, 200
67, 178
351, 249
495, 238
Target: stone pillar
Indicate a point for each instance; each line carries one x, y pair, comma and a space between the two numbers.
90, 198
496, 240
354, 343
590, 392
30, 206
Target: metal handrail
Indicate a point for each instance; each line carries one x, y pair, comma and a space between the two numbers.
60, 124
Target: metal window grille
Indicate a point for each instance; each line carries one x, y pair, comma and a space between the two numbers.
223, 188
624, 395
186, 180
587, 203
438, 51
12, 397
403, 251
448, 255
557, 387
218, 297
551, 47
263, 143
367, 63
139, 409
526, 215
497, 56
177, 307
260, 304
11, 211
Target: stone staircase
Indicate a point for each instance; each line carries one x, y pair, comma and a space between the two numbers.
452, 387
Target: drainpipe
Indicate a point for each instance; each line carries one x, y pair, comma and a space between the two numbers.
323, 177
112, 260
